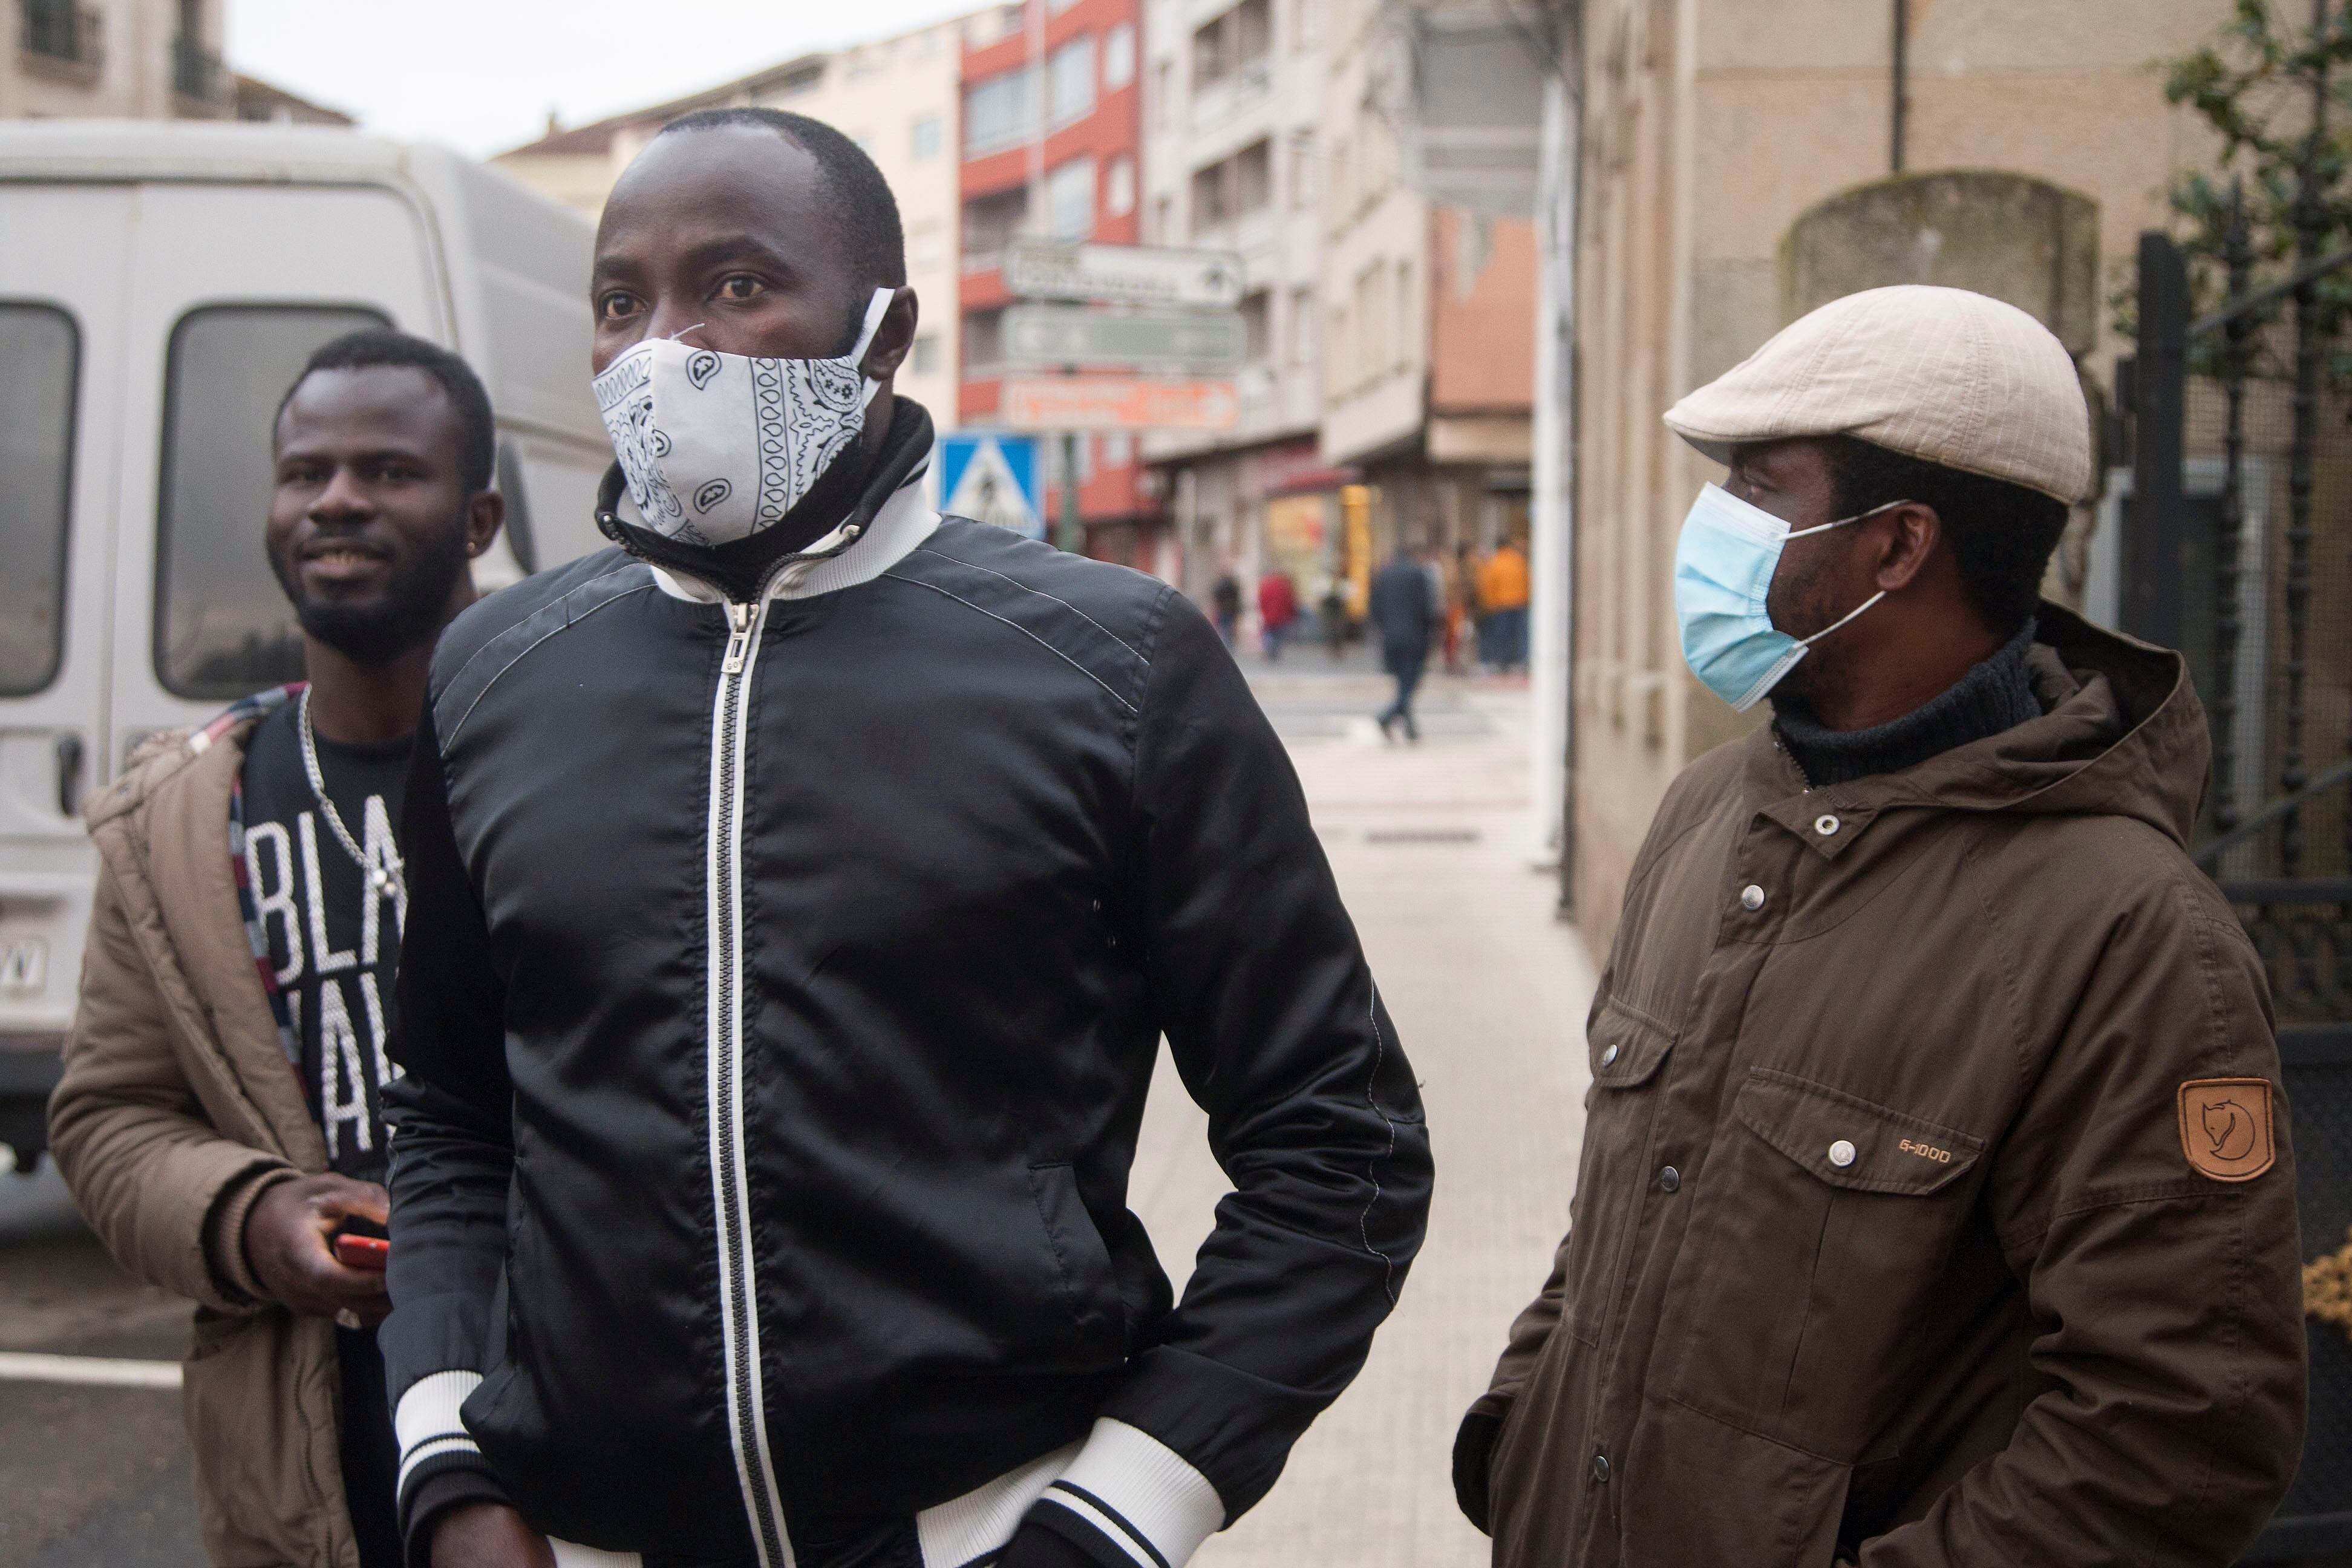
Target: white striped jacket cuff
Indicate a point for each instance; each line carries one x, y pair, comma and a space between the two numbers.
427, 1422
1139, 1494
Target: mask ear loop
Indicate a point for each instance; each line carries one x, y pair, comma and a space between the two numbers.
876, 308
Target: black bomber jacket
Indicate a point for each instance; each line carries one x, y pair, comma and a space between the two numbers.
782, 984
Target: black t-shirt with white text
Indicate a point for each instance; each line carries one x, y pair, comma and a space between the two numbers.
334, 950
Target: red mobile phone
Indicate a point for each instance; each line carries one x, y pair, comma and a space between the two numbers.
369, 1252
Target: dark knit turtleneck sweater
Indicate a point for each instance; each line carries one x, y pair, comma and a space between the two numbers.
1993, 695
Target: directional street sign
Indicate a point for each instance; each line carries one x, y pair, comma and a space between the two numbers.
1123, 274
992, 478
1116, 402
1201, 341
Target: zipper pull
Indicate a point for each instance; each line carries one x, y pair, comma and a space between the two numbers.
738, 640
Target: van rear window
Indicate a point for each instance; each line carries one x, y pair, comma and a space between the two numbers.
42, 350
222, 627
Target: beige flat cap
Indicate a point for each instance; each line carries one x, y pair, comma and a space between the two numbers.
1942, 374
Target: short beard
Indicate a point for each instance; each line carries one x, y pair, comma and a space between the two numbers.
412, 609
1800, 608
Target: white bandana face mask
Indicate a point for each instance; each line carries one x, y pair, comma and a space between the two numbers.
716, 447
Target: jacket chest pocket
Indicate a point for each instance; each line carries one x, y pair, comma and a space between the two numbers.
1820, 1239
1627, 1051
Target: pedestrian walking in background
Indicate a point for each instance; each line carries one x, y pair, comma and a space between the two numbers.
1277, 607
1936, 1204
1503, 601
799, 895
1332, 610
218, 1120
1405, 615
1461, 606
1225, 603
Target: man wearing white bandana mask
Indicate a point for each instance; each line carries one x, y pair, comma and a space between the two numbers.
820, 876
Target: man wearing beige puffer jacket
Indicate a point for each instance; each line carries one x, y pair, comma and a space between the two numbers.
219, 1119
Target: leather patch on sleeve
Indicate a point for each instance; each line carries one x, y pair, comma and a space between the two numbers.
2225, 1126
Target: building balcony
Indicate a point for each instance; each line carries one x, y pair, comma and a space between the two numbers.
200, 83
62, 40
1215, 103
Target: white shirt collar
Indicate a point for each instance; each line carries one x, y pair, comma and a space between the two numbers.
904, 522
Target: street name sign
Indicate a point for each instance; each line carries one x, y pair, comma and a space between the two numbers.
1116, 402
1199, 342
992, 478
1123, 274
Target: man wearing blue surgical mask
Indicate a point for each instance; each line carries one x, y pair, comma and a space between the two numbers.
820, 876
1935, 1207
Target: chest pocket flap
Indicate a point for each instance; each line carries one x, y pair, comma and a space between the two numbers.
1626, 1047
1850, 1143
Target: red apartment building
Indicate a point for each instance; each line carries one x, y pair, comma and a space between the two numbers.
1084, 71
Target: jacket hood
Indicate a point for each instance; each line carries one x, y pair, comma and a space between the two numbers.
2122, 734
742, 568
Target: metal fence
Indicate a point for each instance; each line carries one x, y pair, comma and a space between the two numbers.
2236, 550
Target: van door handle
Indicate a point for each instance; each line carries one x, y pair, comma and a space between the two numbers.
70, 759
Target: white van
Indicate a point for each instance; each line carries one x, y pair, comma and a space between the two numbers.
159, 287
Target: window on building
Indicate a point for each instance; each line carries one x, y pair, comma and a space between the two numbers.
1338, 358
1253, 177
222, 628
1305, 181
1118, 449
999, 113
1070, 200
927, 246
1118, 186
1235, 41
983, 342
1407, 314
1118, 56
1210, 64
1056, 8
1302, 326
1253, 31
926, 360
989, 224
1209, 197
1343, 185
1257, 323
1070, 80
923, 138
42, 349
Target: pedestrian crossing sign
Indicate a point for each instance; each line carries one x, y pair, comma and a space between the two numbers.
992, 478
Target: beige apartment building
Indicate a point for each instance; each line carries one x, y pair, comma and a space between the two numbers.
1231, 108
897, 98
116, 59
1428, 328
1739, 167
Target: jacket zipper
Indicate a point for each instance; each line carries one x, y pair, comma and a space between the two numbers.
747, 1419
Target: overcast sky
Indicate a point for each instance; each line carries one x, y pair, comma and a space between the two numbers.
481, 75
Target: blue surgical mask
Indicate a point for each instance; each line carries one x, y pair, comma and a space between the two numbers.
1724, 564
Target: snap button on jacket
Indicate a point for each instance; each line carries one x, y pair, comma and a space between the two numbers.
1938, 1282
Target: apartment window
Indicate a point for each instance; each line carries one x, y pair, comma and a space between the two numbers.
999, 113
1056, 8
1118, 449
1239, 38
1405, 314
989, 222
983, 342
39, 345
923, 138
1233, 187
1304, 183
1118, 56
1302, 326
1118, 186
1338, 369
927, 353
222, 628
1253, 30
1070, 200
927, 246
1257, 313
1070, 79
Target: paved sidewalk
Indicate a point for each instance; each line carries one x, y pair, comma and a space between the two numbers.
1433, 849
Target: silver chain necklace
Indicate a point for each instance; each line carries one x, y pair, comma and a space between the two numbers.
385, 881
